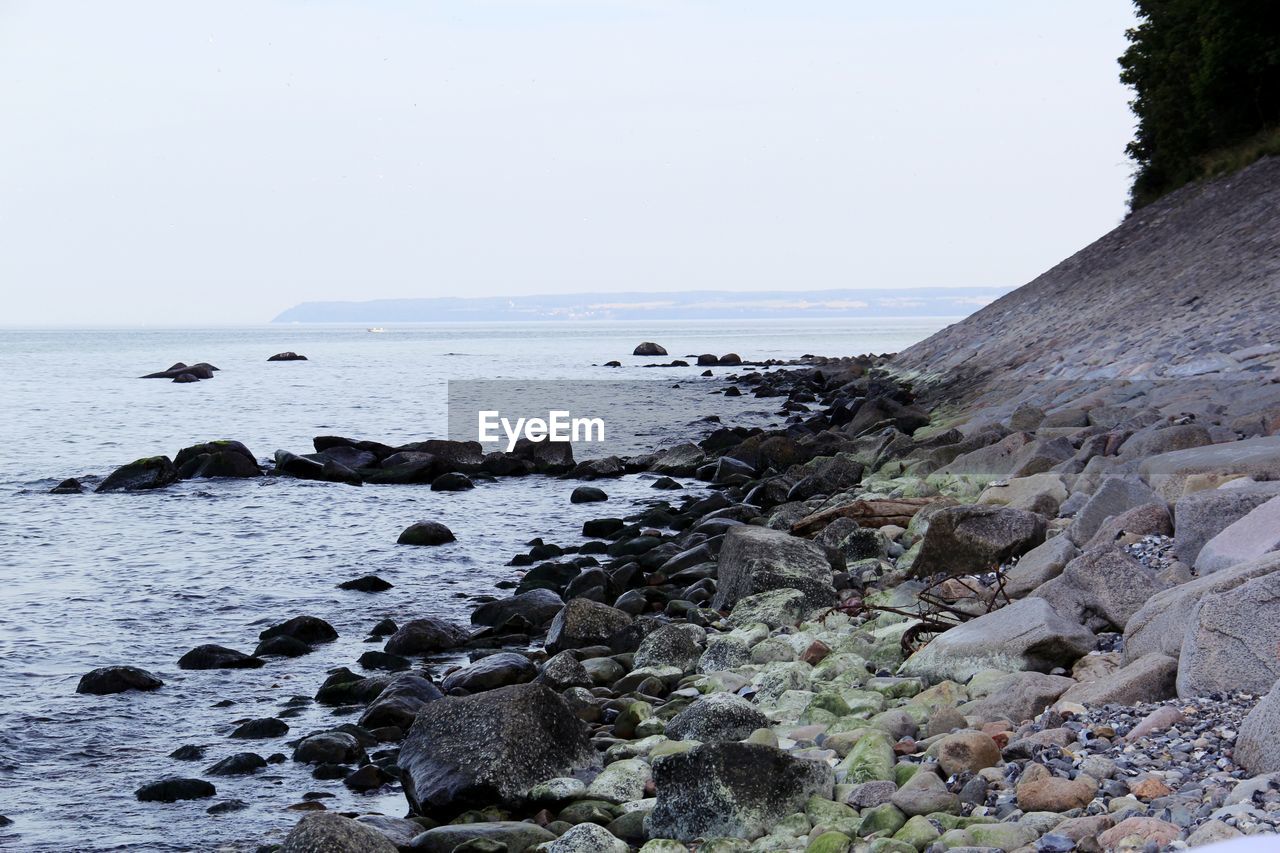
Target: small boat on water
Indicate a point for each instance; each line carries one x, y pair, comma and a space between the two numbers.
377, 329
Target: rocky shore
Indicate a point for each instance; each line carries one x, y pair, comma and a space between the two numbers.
980, 596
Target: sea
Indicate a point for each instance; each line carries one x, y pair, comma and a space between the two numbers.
90, 580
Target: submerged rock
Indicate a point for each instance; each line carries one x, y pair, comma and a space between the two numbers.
287, 356
171, 789
426, 533
154, 472
117, 679
218, 657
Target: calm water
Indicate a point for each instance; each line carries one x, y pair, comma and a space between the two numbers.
94, 580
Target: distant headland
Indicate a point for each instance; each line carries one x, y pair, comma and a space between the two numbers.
689, 305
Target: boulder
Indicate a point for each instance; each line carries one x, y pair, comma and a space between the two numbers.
775, 608
1150, 678
975, 538
333, 833
715, 718
117, 679
154, 472
308, 629
1258, 744
452, 481
426, 533
1039, 493
400, 702
489, 749
1202, 515
1040, 791
1027, 634
424, 636
218, 657
1114, 496
171, 789
496, 670
1168, 473
1021, 696
679, 461
516, 836
1040, 565
649, 348
967, 752
1162, 623
583, 622
534, 608
735, 790
1255, 534
757, 559
587, 494
1102, 589
1231, 640
329, 748
287, 356
216, 459
237, 764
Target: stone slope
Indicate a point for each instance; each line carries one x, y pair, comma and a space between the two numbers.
1189, 286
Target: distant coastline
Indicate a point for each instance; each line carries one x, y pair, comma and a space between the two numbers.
690, 305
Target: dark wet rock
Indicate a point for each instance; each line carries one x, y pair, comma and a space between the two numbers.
424, 636
496, 670
716, 718
649, 348
582, 623
336, 472
170, 789
382, 660
198, 371
452, 481
154, 472
184, 378
332, 833
216, 459
265, 727
426, 533
188, 752
1027, 634
287, 356
217, 657
383, 628
308, 629
298, 466
329, 748
490, 748
666, 483
587, 494
534, 608
117, 679
280, 646
226, 807
400, 702
976, 538
602, 527
69, 486
737, 790
239, 764
367, 583
370, 777
504, 835
757, 559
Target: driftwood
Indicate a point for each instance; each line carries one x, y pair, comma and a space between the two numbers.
875, 513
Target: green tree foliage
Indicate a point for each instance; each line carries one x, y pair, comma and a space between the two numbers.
1206, 77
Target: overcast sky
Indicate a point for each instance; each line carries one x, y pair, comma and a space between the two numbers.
183, 162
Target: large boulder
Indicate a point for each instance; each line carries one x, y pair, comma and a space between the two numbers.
757, 559
670, 645
307, 629
649, 348
1116, 495
976, 538
517, 836
496, 670
1168, 473
1258, 744
1150, 678
216, 459
424, 636
1027, 634
425, 533
489, 749
1041, 493
1102, 588
333, 833
1255, 534
1162, 623
736, 790
1231, 640
1202, 515
717, 717
583, 622
212, 656
400, 701
154, 472
530, 609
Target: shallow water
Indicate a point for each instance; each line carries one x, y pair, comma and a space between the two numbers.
94, 580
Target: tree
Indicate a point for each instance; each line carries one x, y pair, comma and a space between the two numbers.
1206, 76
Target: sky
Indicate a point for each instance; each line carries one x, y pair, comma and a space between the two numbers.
215, 162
